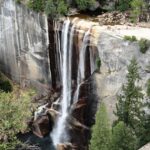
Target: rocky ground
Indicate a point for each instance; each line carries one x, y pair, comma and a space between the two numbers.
146, 147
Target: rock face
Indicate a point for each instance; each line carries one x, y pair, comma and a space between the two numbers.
146, 147
24, 45
30, 53
115, 55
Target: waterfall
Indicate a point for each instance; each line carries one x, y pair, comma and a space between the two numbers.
59, 134
81, 66
69, 97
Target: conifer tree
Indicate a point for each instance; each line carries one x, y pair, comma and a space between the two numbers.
130, 100
123, 138
101, 135
148, 88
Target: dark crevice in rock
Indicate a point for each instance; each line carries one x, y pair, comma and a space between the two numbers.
52, 51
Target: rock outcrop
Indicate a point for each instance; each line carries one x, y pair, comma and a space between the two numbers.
146, 147
24, 45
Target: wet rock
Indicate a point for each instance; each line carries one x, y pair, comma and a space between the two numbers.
53, 113
75, 124
42, 126
65, 146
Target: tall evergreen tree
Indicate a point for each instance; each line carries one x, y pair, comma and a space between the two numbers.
101, 135
130, 100
123, 138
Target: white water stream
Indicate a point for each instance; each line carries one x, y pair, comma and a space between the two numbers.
81, 66
59, 133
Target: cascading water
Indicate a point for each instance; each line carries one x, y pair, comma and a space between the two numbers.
59, 134
81, 66
68, 98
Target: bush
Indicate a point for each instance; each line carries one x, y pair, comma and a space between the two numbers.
84, 4
18, 1
144, 45
37, 5
14, 112
123, 5
130, 38
5, 84
56, 8
123, 138
137, 7
98, 63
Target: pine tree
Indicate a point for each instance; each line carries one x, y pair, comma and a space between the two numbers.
130, 100
144, 134
101, 135
123, 138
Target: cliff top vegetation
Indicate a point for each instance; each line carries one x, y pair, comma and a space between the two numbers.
56, 8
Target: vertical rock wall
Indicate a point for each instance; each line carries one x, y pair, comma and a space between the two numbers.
24, 45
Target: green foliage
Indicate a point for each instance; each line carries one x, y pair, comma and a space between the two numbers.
123, 5
144, 130
130, 100
130, 38
101, 135
56, 8
53, 8
98, 63
148, 88
144, 45
18, 1
123, 138
84, 4
37, 5
137, 7
5, 84
14, 112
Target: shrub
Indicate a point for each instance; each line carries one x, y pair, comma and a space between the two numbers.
144, 45
137, 7
37, 5
84, 4
56, 8
18, 1
14, 112
5, 84
98, 63
123, 5
130, 38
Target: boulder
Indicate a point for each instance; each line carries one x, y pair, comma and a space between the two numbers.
41, 127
